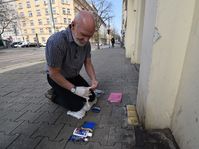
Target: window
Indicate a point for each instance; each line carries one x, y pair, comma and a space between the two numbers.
22, 14
38, 12
45, 2
64, 10
64, 1
36, 3
23, 23
31, 23
55, 20
47, 21
43, 39
46, 10
49, 30
28, 4
41, 30
54, 10
52, 1
33, 30
35, 39
57, 29
69, 20
65, 20
25, 31
68, 11
20, 6
29, 13
39, 21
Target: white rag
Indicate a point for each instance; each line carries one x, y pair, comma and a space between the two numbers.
79, 114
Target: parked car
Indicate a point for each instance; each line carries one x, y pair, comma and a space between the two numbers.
22, 44
14, 44
30, 44
42, 44
33, 44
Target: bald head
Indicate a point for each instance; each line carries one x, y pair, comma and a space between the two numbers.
83, 26
85, 20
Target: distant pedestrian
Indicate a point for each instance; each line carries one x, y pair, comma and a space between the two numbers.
66, 52
112, 42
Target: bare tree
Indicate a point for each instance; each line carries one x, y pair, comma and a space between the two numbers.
8, 16
102, 10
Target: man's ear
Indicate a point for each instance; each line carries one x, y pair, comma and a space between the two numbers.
72, 24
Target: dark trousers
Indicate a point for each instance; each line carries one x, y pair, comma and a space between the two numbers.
66, 98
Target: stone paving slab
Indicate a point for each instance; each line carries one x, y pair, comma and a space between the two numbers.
22, 142
29, 120
48, 144
8, 126
6, 140
46, 130
29, 116
26, 129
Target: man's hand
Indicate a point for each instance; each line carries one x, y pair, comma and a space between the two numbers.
83, 91
94, 84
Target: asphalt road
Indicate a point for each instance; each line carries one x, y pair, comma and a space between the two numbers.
14, 58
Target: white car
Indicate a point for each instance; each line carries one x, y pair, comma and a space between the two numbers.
17, 45
21, 44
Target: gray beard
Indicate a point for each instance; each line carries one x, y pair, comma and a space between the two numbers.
77, 42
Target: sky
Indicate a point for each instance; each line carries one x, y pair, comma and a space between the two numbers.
117, 12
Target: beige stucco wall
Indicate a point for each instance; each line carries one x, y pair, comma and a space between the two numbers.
162, 62
130, 29
168, 58
185, 124
133, 29
146, 58
139, 22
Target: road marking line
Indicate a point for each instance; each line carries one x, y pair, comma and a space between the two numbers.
17, 66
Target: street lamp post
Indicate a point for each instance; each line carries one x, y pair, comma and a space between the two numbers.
51, 16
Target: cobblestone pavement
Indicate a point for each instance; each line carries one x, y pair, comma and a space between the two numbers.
28, 120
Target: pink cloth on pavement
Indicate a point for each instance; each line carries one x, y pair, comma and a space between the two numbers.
115, 97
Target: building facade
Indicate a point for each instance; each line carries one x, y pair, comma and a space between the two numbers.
38, 19
35, 18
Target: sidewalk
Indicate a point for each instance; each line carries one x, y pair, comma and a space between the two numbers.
28, 120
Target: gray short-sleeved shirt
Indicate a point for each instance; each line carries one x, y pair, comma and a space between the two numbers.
62, 52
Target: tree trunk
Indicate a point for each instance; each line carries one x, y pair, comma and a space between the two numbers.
98, 45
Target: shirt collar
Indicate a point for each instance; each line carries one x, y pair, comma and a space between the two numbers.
70, 36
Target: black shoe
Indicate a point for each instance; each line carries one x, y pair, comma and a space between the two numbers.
50, 95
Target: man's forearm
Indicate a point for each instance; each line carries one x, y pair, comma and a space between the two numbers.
90, 71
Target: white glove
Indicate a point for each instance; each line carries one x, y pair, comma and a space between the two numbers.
79, 114
83, 91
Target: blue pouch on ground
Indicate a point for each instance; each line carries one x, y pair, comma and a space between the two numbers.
89, 125
75, 138
96, 109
